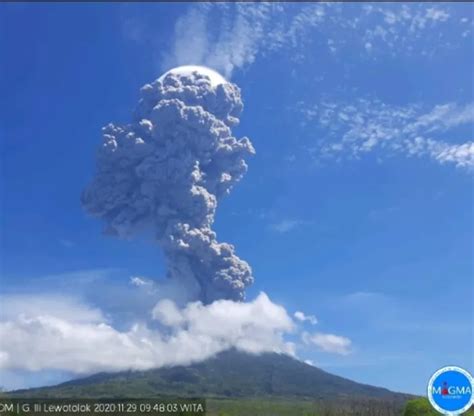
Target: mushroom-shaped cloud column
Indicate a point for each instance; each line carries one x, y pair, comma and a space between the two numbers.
166, 171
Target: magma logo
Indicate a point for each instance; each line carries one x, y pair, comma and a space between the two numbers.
450, 391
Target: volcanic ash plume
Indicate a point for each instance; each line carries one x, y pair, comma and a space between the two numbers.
167, 170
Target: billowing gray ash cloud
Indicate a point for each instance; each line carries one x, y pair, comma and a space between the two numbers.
166, 172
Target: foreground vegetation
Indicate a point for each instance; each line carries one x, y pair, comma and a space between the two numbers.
274, 407
422, 407
348, 407
294, 407
278, 407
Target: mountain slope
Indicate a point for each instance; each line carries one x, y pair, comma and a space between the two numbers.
229, 374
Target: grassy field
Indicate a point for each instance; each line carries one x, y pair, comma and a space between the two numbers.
350, 407
281, 407
422, 407
293, 407
254, 407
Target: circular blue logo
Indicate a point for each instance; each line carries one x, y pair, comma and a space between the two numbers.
450, 391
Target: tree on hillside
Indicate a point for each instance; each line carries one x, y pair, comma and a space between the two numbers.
422, 407
419, 407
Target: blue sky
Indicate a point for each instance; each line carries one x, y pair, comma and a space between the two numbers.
357, 207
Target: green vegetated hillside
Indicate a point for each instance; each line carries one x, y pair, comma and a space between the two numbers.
422, 407
229, 374
236, 383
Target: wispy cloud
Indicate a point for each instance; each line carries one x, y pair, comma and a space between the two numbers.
223, 36
69, 308
398, 27
139, 281
302, 317
350, 130
227, 36
328, 342
287, 225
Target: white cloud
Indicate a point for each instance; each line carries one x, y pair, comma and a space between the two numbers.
461, 155
221, 36
352, 130
437, 14
407, 28
137, 281
302, 317
287, 225
360, 298
251, 326
167, 313
140, 281
67, 307
443, 117
328, 342
226, 36
76, 340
